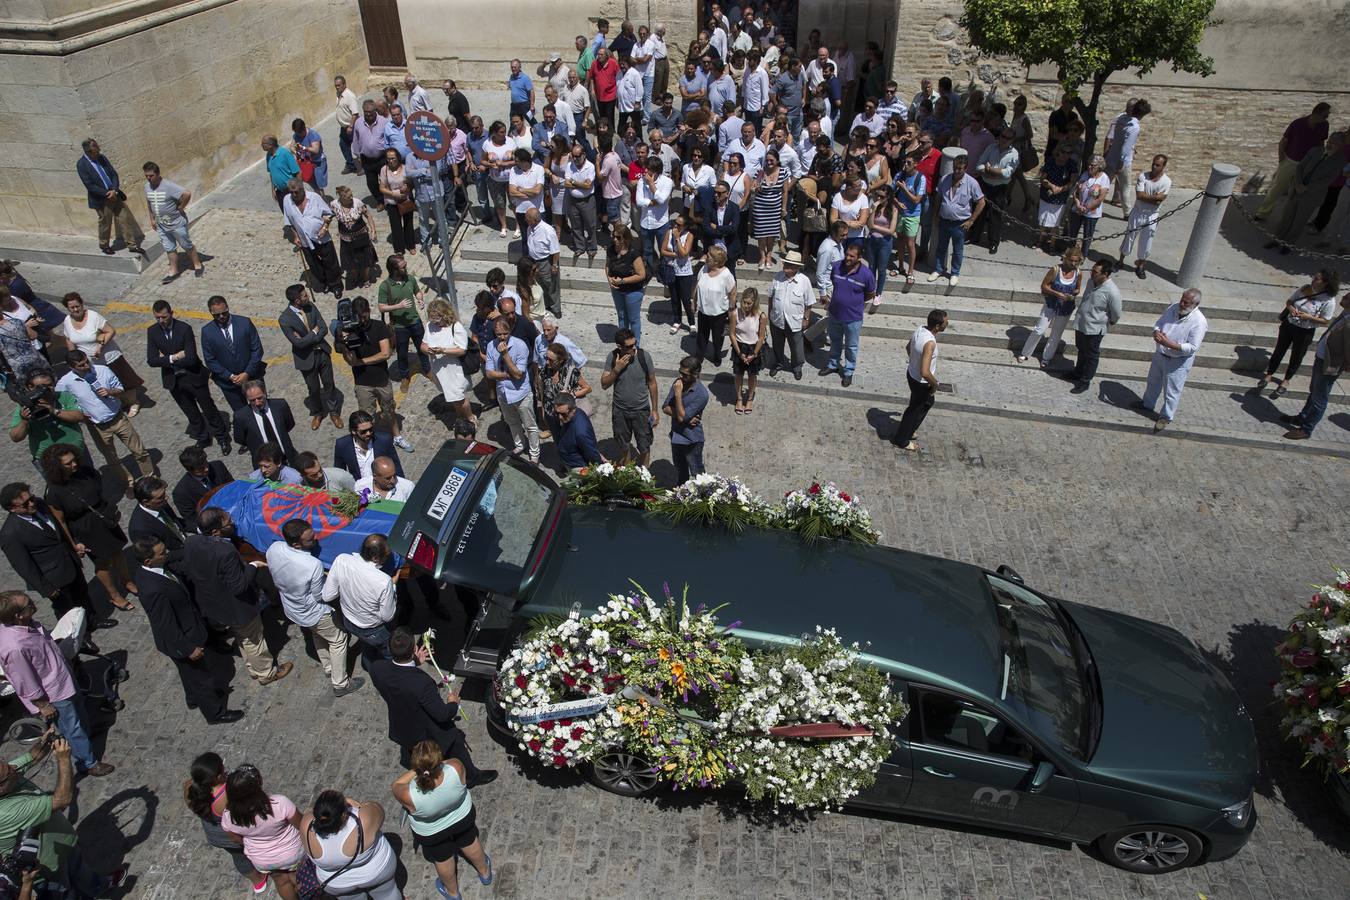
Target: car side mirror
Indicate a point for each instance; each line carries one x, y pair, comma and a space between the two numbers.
1041, 777
1009, 573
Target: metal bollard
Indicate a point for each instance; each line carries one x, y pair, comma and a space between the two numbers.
1222, 179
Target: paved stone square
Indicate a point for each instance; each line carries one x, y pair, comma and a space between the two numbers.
1218, 541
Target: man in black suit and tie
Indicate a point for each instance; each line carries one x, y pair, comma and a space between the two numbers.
721, 221
232, 351
171, 347
303, 326
263, 421
42, 552
106, 198
416, 711
154, 517
356, 450
180, 631
227, 592
201, 476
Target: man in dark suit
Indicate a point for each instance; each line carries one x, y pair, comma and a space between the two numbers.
227, 592
171, 347
356, 450
106, 198
179, 630
263, 421
154, 517
416, 711
232, 351
40, 550
201, 476
303, 326
721, 220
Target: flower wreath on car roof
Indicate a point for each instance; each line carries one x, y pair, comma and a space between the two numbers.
806, 724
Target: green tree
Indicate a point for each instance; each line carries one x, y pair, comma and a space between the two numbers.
1091, 40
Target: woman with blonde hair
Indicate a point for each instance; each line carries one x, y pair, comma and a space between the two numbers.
1061, 286
716, 294
446, 341
356, 236
441, 813
748, 327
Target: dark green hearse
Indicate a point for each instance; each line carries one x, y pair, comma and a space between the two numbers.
1028, 714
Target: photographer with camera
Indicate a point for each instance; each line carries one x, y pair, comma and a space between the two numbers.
34, 831
367, 346
45, 417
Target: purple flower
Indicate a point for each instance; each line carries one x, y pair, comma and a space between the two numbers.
633, 643
653, 662
665, 589
736, 624
714, 645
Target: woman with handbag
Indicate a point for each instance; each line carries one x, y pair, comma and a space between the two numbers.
308, 149
204, 794
266, 825
1308, 308
352, 857
749, 325
86, 330
356, 236
441, 813
677, 252
75, 495
447, 343
398, 203
1060, 287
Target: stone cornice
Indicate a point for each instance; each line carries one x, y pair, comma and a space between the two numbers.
71, 34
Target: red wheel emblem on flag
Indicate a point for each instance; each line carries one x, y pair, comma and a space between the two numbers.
279, 507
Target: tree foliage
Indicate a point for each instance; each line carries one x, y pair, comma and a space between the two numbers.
1090, 40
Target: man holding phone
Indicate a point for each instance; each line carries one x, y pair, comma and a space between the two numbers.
628, 370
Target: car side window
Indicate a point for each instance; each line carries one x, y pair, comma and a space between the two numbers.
952, 722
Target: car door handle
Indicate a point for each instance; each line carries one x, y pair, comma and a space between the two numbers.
938, 772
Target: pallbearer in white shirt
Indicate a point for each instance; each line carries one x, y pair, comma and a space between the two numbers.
1178, 334
384, 482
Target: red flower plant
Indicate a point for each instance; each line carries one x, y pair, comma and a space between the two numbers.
845, 497
559, 743
569, 680
522, 682
577, 733
548, 724
557, 650
535, 745
559, 760
815, 488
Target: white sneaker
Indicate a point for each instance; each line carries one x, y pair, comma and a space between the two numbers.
402, 443
933, 276
954, 281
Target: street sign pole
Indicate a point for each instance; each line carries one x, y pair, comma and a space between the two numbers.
429, 139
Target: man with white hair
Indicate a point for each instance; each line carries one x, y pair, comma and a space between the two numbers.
660, 61
1178, 334
418, 98
549, 334
541, 245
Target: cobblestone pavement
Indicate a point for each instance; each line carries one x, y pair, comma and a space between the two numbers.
1216, 541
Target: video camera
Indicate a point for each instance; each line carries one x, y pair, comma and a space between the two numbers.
39, 401
347, 328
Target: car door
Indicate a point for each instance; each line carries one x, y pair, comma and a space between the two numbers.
969, 763
895, 775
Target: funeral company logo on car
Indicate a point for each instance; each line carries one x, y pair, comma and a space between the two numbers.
994, 798
440, 505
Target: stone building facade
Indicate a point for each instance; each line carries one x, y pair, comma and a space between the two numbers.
190, 84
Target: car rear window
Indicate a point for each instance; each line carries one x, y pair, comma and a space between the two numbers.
498, 536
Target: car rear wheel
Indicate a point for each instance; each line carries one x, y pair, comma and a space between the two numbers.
624, 773
1151, 849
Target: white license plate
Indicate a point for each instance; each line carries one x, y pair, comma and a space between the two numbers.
441, 505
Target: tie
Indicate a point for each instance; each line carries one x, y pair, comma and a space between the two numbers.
101, 174
269, 432
172, 525
206, 482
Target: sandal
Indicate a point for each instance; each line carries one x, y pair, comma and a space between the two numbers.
125, 606
1278, 392
675, 329
749, 404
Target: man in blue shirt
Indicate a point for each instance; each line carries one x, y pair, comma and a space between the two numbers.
393, 132
281, 167
961, 201
576, 444
685, 403
852, 284
522, 92
508, 364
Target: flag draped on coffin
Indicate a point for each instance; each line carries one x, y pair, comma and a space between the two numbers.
259, 509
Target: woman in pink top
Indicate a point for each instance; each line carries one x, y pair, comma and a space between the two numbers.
267, 825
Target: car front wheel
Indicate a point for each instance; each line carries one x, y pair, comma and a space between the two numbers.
1151, 849
624, 773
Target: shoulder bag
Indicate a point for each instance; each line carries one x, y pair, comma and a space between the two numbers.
472, 360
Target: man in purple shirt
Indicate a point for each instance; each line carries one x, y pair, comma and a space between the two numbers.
853, 285
369, 142
1302, 135
42, 678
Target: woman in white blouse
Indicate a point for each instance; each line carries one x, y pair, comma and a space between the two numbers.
716, 292
446, 341
87, 330
1307, 309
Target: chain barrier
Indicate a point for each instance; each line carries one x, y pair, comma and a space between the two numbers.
1294, 248
1035, 229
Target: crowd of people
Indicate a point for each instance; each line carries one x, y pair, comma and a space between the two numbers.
802, 162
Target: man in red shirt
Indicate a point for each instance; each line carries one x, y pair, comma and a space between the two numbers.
1301, 136
603, 80
929, 158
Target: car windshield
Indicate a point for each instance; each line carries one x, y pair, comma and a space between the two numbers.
1041, 677
499, 534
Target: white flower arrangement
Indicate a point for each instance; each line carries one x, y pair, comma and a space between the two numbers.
823, 510
1314, 685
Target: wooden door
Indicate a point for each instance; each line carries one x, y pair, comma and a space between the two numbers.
384, 34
